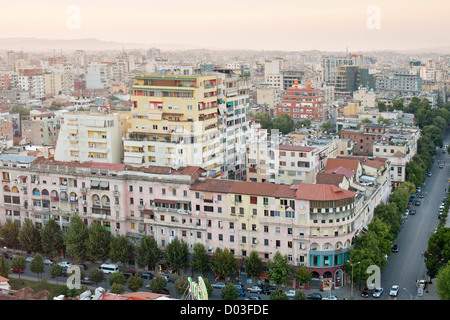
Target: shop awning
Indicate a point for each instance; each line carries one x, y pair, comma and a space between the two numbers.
95, 183
104, 184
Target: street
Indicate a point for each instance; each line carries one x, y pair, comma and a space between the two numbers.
407, 265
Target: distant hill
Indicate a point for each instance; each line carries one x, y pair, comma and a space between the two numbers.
88, 44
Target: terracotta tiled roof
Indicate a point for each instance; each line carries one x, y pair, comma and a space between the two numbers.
333, 163
322, 192
329, 178
347, 172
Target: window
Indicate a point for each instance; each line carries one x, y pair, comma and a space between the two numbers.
253, 200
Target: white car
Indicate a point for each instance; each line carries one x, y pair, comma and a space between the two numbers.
255, 289
29, 259
65, 264
290, 293
377, 293
48, 262
330, 298
218, 285
394, 291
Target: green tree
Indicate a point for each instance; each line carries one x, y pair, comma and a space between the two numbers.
443, 283
147, 252
304, 123
117, 277
19, 263
117, 288
382, 106
278, 295
135, 282
265, 120
303, 276
253, 265
21, 110
37, 264
284, 123
76, 237
98, 242
176, 255
30, 237
326, 127
52, 240
181, 286
224, 264
9, 234
56, 271
438, 251
279, 268
157, 284
200, 259
4, 267
229, 292
96, 276
120, 250
300, 295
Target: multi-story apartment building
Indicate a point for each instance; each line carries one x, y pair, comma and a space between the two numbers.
330, 66
40, 129
97, 75
91, 136
34, 85
364, 138
400, 82
233, 101
313, 224
399, 148
58, 82
303, 103
174, 122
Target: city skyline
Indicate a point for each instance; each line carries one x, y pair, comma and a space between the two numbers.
250, 25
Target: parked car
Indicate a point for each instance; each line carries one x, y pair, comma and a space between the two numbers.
290, 293
255, 289
218, 285
412, 212
48, 262
314, 296
330, 298
395, 248
146, 275
253, 298
269, 290
129, 273
17, 270
29, 259
417, 203
83, 266
86, 280
377, 293
238, 285
166, 277
441, 166
394, 291
365, 292
65, 264
429, 174
421, 195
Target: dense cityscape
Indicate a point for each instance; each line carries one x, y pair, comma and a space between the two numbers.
151, 173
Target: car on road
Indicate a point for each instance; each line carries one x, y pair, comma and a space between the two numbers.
418, 189
441, 166
17, 270
365, 292
253, 298
378, 292
395, 248
290, 293
166, 277
255, 289
394, 291
330, 298
48, 262
86, 280
417, 203
129, 273
314, 296
429, 174
268, 290
218, 285
29, 259
146, 275
238, 285
65, 264
240, 292
412, 212
421, 195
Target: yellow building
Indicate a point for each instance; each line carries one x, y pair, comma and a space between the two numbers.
352, 109
174, 122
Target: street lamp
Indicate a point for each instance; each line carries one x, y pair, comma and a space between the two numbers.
352, 276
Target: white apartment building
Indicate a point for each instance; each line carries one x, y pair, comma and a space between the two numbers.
91, 136
97, 75
34, 85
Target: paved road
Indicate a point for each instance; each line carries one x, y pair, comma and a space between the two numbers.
407, 265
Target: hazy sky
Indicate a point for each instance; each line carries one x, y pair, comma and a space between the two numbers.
236, 24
